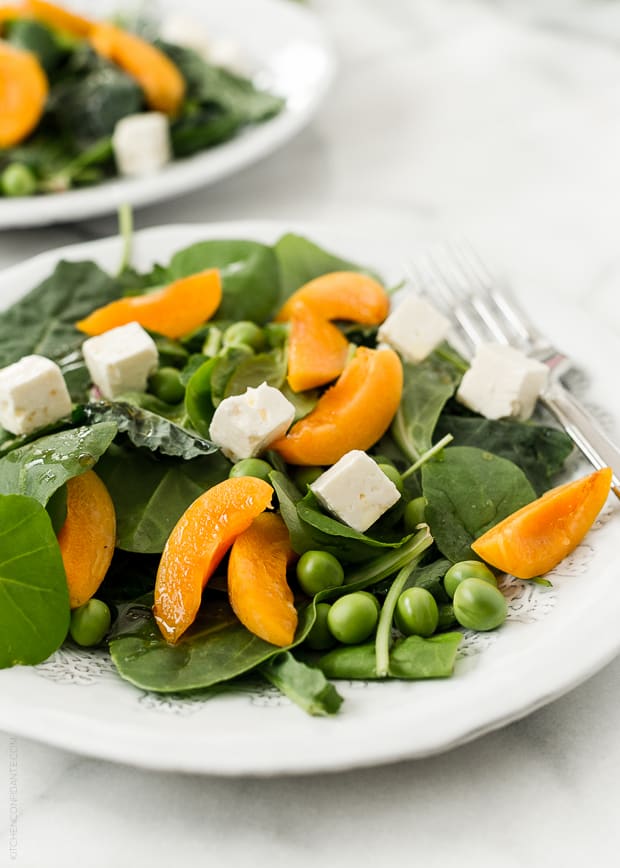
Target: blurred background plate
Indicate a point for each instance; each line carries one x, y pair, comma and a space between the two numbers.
282, 41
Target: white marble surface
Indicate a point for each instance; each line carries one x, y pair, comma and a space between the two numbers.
500, 120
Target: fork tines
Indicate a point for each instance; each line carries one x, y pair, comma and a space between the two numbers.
456, 280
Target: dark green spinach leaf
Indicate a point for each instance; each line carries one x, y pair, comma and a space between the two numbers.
249, 271
34, 599
427, 387
305, 685
469, 491
198, 399
40, 468
300, 260
151, 493
538, 450
216, 648
149, 430
346, 544
269, 367
43, 320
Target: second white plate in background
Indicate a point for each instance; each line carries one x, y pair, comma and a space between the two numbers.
286, 45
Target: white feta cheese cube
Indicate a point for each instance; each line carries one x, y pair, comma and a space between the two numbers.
356, 490
501, 382
183, 30
414, 328
33, 393
141, 143
245, 425
227, 54
120, 360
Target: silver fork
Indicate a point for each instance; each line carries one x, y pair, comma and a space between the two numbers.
468, 292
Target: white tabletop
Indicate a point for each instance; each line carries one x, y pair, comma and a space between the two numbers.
500, 120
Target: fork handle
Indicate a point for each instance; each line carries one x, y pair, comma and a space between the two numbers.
583, 431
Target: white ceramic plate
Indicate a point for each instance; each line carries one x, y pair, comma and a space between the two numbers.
554, 638
283, 42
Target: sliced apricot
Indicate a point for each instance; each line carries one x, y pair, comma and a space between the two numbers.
257, 586
10, 13
172, 311
353, 414
57, 17
317, 350
159, 78
87, 537
345, 295
23, 92
197, 544
538, 536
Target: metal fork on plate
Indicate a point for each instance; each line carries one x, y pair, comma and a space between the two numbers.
470, 295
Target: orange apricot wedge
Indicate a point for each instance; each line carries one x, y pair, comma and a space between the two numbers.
353, 414
10, 13
197, 544
23, 93
344, 295
87, 537
535, 538
173, 311
257, 586
317, 350
159, 78
57, 16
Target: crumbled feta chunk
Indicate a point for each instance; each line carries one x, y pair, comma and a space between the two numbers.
414, 328
227, 54
356, 490
120, 360
183, 30
141, 143
33, 393
502, 381
244, 425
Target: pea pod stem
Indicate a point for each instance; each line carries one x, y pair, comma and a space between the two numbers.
384, 630
125, 226
430, 453
387, 564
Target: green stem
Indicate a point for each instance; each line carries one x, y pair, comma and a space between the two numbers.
423, 540
125, 228
446, 352
383, 566
384, 630
430, 453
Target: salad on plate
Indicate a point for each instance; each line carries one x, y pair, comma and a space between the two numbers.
82, 100
252, 463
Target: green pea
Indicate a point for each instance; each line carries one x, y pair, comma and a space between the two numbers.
414, 513
466, 570
372, 598
276, 334
319, 638
251, 467
166, 385
446, 616
479, 605
90, 623
416, 613
318, 570
352, 618
393, 475
246, 333
305, 476
18, 180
